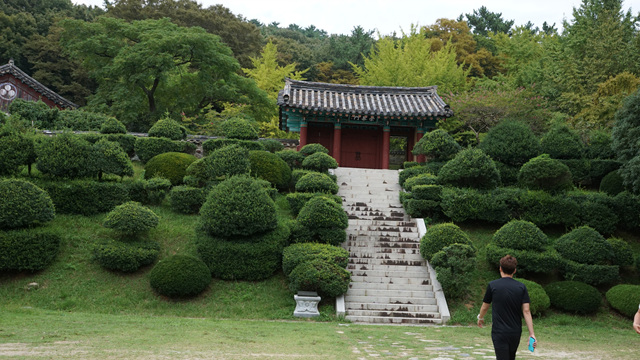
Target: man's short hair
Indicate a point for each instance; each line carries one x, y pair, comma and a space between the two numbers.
508, 264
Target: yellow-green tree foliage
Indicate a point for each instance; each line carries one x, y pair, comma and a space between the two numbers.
410, 61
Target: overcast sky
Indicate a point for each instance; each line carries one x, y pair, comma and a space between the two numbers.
387, 16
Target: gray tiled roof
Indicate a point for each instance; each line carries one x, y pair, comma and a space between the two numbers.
365, 100
10, 68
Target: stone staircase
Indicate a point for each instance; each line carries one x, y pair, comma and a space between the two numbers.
390, 282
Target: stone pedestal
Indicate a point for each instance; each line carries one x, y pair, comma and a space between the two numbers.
306, 304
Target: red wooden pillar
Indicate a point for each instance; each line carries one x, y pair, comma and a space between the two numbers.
337, 141
303, 134
386, 143
419, 134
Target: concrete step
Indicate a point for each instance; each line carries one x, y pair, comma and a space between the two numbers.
391, 320
393, 307
389, 299
385, 253
386, 264
395, 313
386, 280
376, 293
398, 284
390, 258
371, 222
412, 277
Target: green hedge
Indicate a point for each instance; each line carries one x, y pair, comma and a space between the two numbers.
540, 301
574, 297
627, 207
317, 182
588, 273
156, 190
470, 168
65, 155
110, 158
297, 254
427, 192
323, 212
437, 145
495, 206
226, 162
454, 265
125, 256
420, 179
167, 128
405, 174
251, 258
562, 143
238, 206
84, 197
319, 162
23, 204
79, 120
148, 147
511, 142
297, 200
212, 145
131, 218
239, 128
27, 249
622, 252
271, 145
422, 208
624, 298
270, 167
180, 276
612, 184
293, 158
545, 173
528, 261
584, 245
112, 126
324, 277
187, 200
440, 236
13, 152
542, 209
520, 235
172, 166
311, 149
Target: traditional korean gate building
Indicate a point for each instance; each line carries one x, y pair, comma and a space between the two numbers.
16, 84
356, 123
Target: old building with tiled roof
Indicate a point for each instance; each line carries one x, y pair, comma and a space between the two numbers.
356, 123
16, 84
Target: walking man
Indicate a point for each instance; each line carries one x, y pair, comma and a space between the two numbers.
509, 301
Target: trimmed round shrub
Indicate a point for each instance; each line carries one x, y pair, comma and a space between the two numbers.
440, 236
65, 155
521, 235
600, 145
111, 159
238, 206
251, 258
420, 179
112, 126
545, 173
13, 152
562, 143
528, 261
540, 301
622, 252
543, 208
323, 212
453, 265
411, 172
470, 168
324, 277
317, 182
238, 128
167, 128
272, 145
180, 276
212, 145
147, 148
612, 183
427, 192
131, 218
23, 204
311, 149
511, 142
156, 190
85, 197
293, 158
125, 256
584, 245
574, 296
172, 166
297, 200
589, 274
627, 208
598, 216
320, 162
624, 298
297, 254
27, 249
270, 167
228, 161
437, 145
186, 199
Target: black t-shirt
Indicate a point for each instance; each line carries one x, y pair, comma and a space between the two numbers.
506, 297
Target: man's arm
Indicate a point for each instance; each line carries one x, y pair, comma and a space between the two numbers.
483, 311
636, 322
526, 312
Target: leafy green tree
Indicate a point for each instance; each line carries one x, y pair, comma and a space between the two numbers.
482, 21
626, 128
242, 37
149, 67
409, 61
521, 53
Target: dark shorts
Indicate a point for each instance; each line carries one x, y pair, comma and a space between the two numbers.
505, 345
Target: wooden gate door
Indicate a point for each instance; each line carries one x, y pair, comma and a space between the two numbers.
360, 148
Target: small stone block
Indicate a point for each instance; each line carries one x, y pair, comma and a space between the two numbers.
306, 304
